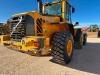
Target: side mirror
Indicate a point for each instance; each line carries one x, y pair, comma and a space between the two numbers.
38, 0
73, 10
76, 24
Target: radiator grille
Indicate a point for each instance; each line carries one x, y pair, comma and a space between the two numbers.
17, 32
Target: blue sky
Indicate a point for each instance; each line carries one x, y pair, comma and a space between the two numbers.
87, 11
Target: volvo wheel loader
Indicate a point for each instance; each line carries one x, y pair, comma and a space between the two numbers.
4, 33
48, 31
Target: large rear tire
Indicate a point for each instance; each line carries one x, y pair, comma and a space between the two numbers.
62, 47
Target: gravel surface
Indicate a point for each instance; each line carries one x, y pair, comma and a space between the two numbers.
85, 62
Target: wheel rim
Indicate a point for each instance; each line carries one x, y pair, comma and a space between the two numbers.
69, 47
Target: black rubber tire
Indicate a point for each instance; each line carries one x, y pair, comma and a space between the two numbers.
59, 49
99, 34
78, 42
84, 39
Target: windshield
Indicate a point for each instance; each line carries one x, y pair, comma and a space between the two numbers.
53, 9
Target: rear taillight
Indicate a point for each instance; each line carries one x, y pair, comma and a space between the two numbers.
36, 44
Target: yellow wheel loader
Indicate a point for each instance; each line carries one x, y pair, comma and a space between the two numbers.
4, 34
48, 31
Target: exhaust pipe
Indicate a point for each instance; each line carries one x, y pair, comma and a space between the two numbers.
39, 6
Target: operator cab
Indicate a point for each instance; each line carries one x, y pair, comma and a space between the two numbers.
61, 8
52, 8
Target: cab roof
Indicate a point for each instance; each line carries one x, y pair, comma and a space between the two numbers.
22, 13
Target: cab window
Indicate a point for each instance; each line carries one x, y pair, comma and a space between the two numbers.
53, 9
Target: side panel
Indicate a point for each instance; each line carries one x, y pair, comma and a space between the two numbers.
50, 29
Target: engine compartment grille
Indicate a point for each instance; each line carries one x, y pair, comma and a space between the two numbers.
20, 26
17, 32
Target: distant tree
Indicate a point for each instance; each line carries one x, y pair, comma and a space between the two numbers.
94, 28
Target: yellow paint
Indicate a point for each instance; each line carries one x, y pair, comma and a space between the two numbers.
47, 43
27, 43
69, 47
4, 38
48, 27
63, 9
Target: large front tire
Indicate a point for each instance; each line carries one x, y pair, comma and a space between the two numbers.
62, 47
78, 41
99, 33
84, 39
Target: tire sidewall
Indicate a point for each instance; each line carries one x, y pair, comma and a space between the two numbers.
69, 37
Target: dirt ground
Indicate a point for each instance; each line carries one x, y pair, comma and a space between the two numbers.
92, 34
85, 62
